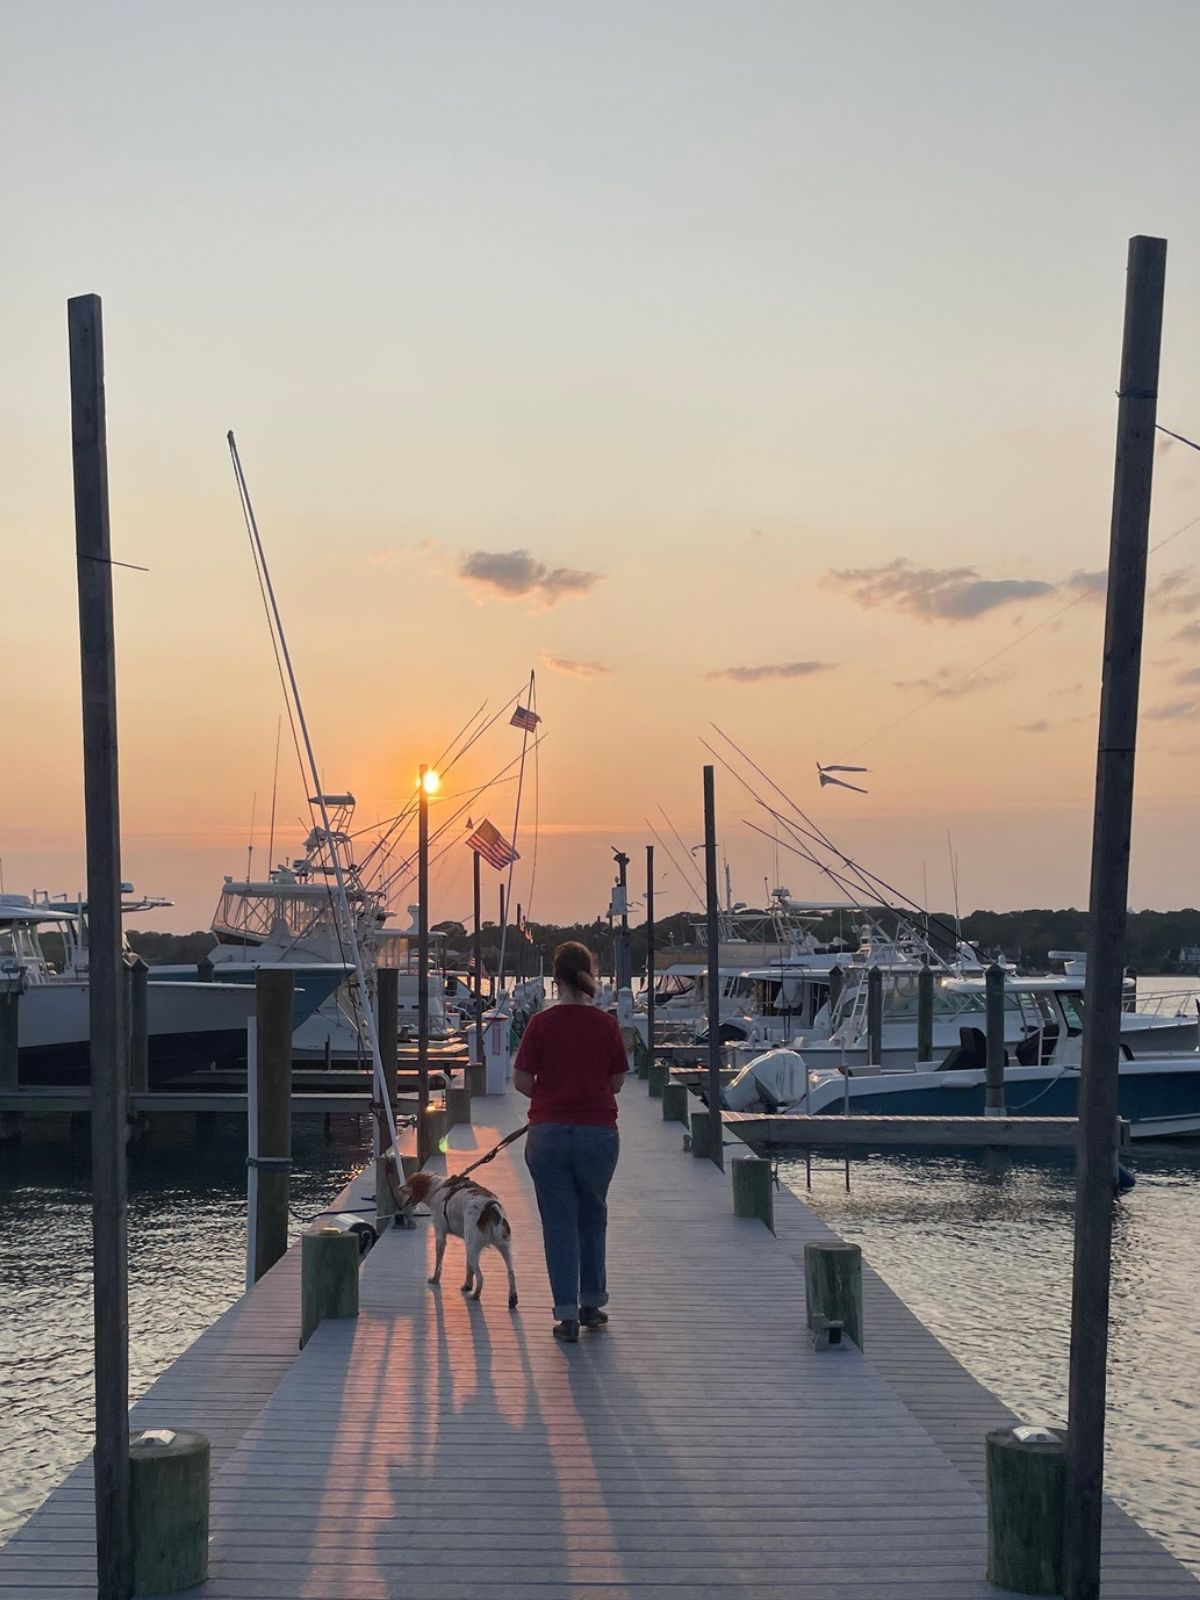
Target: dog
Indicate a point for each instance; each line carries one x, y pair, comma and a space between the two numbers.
470, 1212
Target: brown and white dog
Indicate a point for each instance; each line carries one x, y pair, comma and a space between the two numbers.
470, 1212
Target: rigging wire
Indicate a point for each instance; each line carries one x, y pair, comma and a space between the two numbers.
516, 824
700, 891
670, 857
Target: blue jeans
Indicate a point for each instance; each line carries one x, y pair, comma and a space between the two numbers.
572, 1167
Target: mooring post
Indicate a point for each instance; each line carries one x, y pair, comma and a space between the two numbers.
753, 1189
650, 977
138, 977
1098, 1077
10, 1025
329, 1261
424, 1142
833, 1285
657, 1077
270, 1158
716, 1136
993, 982
675, 1103
874, 1017
106, 977
387, 1014
169, 1494
475, 1072
1026, 1490
700, 1123
925, 1012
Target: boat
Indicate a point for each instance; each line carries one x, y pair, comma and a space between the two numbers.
189, 1023
1158, 1095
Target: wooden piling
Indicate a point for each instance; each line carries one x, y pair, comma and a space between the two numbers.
109, 1074
169, 1495
716, 1137
833, 1286
650, 973
753, 1189
925, 1012
458, 1108
1026, 1493
701, 1128
675, 1103
475, 1078
993, 981
837, 980
874, 1017
270, 1118
329, 1260
657, 1075
138, 1001
423, 1141
387, 1016
1098, 1078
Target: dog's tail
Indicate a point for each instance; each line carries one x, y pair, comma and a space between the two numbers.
493, 1224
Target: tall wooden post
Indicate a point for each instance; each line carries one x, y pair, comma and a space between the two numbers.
1137, 406
387, 1006
269, 1114
837, 979
650, 951
139, 1026
993, 1094
925, 1012
874, 1017
423, 1140
106, 974
716, 1128
475, 876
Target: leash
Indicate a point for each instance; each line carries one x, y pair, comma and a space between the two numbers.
493, 1153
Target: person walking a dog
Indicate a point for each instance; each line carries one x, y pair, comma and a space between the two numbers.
571, 1064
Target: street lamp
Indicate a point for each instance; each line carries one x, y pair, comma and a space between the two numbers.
427, 784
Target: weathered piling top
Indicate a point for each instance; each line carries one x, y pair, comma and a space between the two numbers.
698, 1447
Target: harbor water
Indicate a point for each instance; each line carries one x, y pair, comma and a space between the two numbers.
187, 1264
980, 1249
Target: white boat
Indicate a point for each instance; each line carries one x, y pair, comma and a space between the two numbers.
190, 1023
1159, 1095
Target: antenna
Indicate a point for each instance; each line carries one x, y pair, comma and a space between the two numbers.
274, 793
954, 883
250, 846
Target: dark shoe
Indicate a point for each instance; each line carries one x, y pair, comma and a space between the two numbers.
593, 1317
568, 1332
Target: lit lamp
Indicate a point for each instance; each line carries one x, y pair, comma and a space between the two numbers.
427, 784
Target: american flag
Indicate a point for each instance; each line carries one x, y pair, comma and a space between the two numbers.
524, 718
491, 844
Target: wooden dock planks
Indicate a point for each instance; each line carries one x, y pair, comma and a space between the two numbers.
699, 1447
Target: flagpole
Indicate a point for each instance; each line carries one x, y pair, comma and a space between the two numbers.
516, 823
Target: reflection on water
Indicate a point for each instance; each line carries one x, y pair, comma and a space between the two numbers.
187, 1240
981, 1251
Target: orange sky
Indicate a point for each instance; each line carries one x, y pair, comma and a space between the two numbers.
758, 375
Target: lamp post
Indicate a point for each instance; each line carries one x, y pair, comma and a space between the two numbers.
427, 784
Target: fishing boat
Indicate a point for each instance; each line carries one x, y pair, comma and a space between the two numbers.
1158, 1095
189, 1023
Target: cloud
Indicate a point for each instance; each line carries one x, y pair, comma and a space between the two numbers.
779, 669
1041, 726
1189, 632
515, 574
1192, 675
949, 594
575, 669
954, 682
1173, 711
1175, 592
1092, 584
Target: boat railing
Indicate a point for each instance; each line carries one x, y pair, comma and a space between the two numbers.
1171, 1003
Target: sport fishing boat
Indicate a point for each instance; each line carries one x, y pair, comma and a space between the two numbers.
1159, 1095
189, 1023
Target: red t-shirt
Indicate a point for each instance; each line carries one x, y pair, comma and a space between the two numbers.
573, 1053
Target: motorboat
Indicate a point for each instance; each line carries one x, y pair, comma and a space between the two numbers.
189, 1023
1158, 1095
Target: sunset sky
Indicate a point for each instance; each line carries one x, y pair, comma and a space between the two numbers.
742, 363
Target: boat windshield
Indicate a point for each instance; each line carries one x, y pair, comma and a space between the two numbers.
674, 986
1072, 1005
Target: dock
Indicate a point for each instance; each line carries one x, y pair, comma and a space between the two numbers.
699, 1447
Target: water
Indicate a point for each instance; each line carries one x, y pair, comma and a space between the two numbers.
982, 1254
187, 1241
